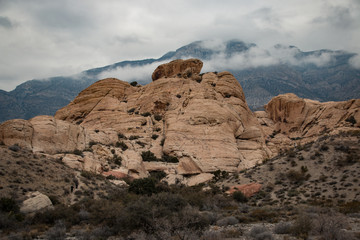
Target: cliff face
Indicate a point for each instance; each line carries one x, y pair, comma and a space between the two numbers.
200, 119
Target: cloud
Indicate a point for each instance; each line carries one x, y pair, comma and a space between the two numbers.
65, 37
131, 73
259, 57
5, 22
355, 61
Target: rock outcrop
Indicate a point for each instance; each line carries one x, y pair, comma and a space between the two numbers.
290, 120
36, 201
43, 134
204, 122
192, 124
178, 68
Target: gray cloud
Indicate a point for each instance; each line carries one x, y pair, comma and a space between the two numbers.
65, 37
5, 22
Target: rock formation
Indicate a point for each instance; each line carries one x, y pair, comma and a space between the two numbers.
290, 120
35, 201
181, 68
199, 121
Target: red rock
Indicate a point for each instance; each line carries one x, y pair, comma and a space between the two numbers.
247, 189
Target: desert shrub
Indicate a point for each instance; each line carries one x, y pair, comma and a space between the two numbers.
8, 205
282, 228
54, 200
240, 197
178, 95
134, 137
324, 147
162, 142
157, 175
57, 232
117, 159
218, 174
149, 157
297, 177
231, 220
142, 144
14, 148
143, 186
68, 215
131, 110
350, 207
146, 114
263, 214
121, 136
134, 83
92, 143
212, 235
121, 145
260, 233
169, 159
302, 226
78, 152
154, 136
351, 120
87, 174
330, 226
157, 117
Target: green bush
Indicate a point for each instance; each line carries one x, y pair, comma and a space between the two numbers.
134, 137
146, 114
121, 145
121, 136
149, 157
154, 136
169, 159
134, 83
157, 117
143, 186
8, 205
240, 197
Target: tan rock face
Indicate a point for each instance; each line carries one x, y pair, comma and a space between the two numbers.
43, 134
205, 123
290, 120
185, 69
36, 201
202, 120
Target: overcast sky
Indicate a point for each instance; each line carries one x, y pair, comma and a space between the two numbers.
41, 38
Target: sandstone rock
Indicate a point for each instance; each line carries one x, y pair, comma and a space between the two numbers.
36, 201
43, 134
247, 189
200, 178
185, 68
18, 132
198, 121
117, 174
304, 118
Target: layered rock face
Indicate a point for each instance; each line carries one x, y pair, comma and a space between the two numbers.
43, 134
290, 120
200, 120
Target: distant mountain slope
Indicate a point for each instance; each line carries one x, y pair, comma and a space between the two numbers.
324, 75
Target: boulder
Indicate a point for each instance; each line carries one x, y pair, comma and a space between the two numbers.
247, 189
35, 202
179, 67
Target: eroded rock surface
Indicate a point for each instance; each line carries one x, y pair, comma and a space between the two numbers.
192, 124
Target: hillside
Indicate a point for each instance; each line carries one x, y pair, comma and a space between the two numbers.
324, 75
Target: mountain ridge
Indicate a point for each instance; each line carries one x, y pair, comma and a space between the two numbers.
337, 80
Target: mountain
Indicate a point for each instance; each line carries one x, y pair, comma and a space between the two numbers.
323, 75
